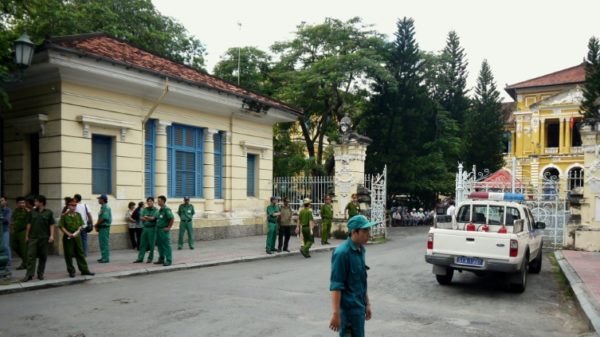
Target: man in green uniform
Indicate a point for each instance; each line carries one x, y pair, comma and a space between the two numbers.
186, 214
164, 223
353, 208
148, 217
326, 219
305, 226
103, 228
71, 224
38, 234
272, 214
18, 226
348, 281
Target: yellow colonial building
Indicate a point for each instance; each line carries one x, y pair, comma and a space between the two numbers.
96, 115
542, 131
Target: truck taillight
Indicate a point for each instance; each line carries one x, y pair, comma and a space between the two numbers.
514, 248
430, 241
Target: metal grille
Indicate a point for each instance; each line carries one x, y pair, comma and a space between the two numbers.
377, 186
295, 189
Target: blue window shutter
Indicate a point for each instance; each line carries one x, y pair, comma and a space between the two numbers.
170, 162
199, 163
101, 165
218, 141
251, 175
149, 158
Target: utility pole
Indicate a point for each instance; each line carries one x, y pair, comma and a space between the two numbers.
239, 52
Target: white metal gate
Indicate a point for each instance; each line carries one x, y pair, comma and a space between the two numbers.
544, 199
377, 185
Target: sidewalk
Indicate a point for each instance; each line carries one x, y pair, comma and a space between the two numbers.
582, 270
205, 254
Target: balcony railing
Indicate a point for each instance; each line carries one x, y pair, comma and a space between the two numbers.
577, 149
551, 150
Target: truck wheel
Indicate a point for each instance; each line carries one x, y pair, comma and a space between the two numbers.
536, 265
521, 276
445, 279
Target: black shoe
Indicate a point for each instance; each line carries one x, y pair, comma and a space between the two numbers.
27, 279
149, 261
71, 274
286, 250
41, 277
89, 273
166, 264
279, 250
192, 248
159, 262
302, 252
179, 248
269, 252
100, 260
138, 261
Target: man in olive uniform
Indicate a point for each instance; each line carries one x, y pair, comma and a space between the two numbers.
103, 228
326, 219
305, 225
353, 208
71, 224
272, 214
148, 217
38, 234
186, 214
164, 223
18, 228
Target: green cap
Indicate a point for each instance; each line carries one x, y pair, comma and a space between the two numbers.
360, 222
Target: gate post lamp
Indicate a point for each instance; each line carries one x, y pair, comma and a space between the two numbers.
24, 50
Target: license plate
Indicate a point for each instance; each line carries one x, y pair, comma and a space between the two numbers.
469, 261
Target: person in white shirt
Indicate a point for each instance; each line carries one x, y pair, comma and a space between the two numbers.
84, 211
451, 209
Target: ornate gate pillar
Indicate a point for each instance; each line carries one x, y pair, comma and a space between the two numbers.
349, 155
587, 235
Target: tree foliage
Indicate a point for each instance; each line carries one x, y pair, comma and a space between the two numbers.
324, 70
254, 69
591, 89
484, 127
409, 129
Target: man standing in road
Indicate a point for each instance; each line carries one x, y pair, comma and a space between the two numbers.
348, 282
18, 227
38, 234
305, 226
164, 222
148, 217
272, 214
326, 220
285, 226
103, 228
186, 214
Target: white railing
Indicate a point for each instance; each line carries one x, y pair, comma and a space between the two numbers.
295, 189
577, 149
551, 150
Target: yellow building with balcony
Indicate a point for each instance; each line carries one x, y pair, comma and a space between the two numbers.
542, 132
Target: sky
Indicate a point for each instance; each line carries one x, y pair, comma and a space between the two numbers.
521, 39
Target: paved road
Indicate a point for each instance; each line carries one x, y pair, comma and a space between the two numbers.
288, 297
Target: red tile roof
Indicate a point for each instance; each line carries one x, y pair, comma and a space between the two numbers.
572, 75
113, 50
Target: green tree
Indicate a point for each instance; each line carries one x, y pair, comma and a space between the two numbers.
452, 79
484, 127
324, 71
136, 21
591, 88
254, 69
409, 130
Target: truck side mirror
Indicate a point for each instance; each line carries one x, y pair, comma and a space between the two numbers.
540, 225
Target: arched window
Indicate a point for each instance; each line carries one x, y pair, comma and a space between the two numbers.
550, 181
575, 178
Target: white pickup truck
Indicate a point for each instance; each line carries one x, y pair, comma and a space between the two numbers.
486, 236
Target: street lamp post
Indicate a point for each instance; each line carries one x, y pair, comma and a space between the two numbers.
24, 50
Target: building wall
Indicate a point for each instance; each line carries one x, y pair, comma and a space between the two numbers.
66, 156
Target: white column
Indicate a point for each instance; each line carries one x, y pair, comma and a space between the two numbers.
227, 163
209, 170
161, 168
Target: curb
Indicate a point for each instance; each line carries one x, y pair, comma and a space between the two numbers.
580, 291
22, 287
